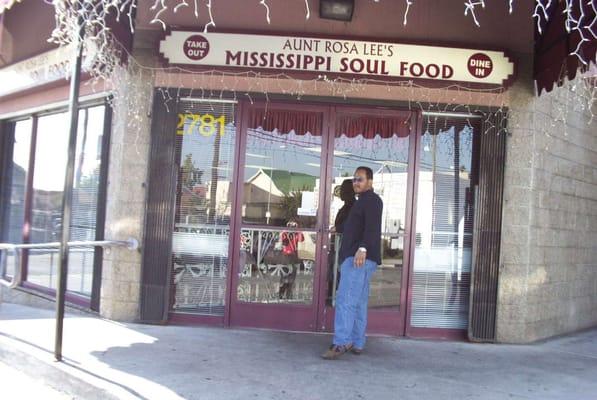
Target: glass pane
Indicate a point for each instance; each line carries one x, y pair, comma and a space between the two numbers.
442, 261
281, 189
205, 142
48, 184
381, 144
277, 266
13, 232
85, 196
281, 174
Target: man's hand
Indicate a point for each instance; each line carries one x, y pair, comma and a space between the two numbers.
359, 258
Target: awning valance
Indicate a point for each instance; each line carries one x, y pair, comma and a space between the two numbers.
286, 121
555, 60
302, 122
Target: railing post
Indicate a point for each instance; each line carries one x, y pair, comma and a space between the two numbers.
68, 190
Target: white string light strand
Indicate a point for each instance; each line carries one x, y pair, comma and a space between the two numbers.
540, 13
593, 23
156, 17
578, 27
264, 4
470, 5
211, 17
183, 3
408, 4
129, 5
102, 48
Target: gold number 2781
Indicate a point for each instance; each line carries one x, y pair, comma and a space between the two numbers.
207, 125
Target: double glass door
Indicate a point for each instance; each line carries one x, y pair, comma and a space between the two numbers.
294, 185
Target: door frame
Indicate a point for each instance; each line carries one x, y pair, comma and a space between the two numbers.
262, 315
378, 319
243, 314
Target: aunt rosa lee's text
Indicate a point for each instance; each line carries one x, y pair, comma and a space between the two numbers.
355, 60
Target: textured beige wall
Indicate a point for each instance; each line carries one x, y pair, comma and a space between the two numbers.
125, 208
548, 271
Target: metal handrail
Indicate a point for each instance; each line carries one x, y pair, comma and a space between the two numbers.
6, 248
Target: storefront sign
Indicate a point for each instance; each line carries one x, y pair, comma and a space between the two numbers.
337, 57
39, 70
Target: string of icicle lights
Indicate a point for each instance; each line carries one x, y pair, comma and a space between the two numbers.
133, 83
95, 15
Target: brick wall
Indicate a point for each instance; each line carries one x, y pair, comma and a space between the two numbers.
127, 177
548, 270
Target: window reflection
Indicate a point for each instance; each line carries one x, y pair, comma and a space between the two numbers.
85, 197
205, 140
442, 261
281, 178
278, 266
281, 191
12, 232
380, 143
48, 184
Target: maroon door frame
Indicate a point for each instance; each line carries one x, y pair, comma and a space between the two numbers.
321, 315
318, 316
411, 331
273, 316
385, 322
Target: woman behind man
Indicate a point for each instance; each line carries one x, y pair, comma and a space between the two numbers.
347, 196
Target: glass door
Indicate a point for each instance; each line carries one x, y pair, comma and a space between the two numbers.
382, 140
204, 151
280, 217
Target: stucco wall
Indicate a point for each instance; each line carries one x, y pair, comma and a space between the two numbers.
548, 271
127, 176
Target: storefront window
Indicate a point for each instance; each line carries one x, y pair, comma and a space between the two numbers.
86, 187
51, 146
442, 261
14, 213
205, 143
282, 168
283, 158
380, 142
48, 184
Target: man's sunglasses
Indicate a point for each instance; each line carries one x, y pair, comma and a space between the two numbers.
358, 179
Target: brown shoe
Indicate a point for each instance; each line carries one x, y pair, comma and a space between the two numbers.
335, 351
356, 351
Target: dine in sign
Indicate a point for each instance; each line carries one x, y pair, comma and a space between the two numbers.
338, 57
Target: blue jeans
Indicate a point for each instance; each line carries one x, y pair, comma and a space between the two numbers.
351, 303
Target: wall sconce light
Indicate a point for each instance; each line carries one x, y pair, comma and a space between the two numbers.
340, 10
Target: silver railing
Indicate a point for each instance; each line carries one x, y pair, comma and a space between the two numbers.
7, 248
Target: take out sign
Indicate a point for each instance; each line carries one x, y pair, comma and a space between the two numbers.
337, 57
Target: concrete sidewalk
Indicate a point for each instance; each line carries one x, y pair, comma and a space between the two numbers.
109, 360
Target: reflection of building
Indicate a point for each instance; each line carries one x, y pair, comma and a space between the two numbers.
268, 189
46, 216
16, 211
436, 193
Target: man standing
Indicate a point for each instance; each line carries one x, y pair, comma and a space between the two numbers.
360, 253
